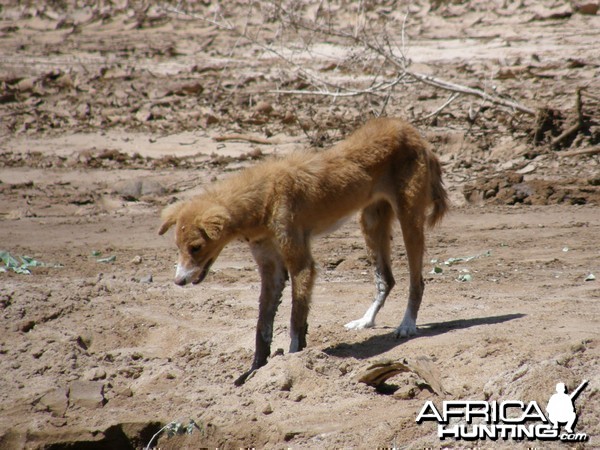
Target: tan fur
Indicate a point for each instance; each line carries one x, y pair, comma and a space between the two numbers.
384, 169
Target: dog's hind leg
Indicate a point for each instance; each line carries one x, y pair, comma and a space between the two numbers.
273, 277
412, 221
376, 225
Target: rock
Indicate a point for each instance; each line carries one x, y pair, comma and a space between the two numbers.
125, 435
138, 433
189, 89
123, 392
87, 394
84, 340
299, 398
26, 85
137, 260
289, 435
209, 119
22, 213
289, 118
56, 402
146, 279
95, 374
144, 114
264, 108
531, 167
152, 187
268, 409
65, 81
13, 438
132, 190
83, 110
589, 8
543, 13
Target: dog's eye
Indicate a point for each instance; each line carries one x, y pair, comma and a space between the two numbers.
195, 248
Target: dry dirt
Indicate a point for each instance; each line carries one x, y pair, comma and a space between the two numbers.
109, 111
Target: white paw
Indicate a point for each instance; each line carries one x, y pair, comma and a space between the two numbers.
359, 324
406, 328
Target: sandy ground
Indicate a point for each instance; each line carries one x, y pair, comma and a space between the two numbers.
108, 113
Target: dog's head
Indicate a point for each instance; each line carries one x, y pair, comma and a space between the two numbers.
200, 235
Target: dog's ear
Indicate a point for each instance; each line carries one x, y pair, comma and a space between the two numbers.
213, 221
169, 217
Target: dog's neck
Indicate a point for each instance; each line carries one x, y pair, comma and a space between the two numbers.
247, 215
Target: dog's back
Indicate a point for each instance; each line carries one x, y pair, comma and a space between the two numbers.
384, 159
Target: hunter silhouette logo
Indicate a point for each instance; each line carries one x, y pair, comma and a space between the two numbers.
509, 419
561, 408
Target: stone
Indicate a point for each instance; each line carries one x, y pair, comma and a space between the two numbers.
264, 108
588, 8
132, 190
55, 401
152, 187
95, 374
147, 279
87, 394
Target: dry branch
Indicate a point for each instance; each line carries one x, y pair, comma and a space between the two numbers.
441, 108
586, 151
377, 42
381, 45
574, 129
375, 89
454, 87
245, 137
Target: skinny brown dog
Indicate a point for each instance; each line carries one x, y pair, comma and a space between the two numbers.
384, 169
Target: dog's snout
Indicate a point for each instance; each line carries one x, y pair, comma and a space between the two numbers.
182, 275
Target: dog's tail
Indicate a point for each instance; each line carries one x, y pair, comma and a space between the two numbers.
439, 196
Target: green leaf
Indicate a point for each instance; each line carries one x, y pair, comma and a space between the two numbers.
8, 260
22, 267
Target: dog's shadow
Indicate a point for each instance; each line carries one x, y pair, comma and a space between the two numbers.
382, 343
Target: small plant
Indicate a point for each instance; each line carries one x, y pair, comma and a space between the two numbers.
20, 265
175, 429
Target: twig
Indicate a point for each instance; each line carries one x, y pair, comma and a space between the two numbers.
375, 89
403, 47
441, 108
448, 86
574, 128
566, 134
245, 137
592, 96
587, 151
385, 103
322, 93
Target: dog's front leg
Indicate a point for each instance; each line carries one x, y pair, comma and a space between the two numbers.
302, 272
273, 277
